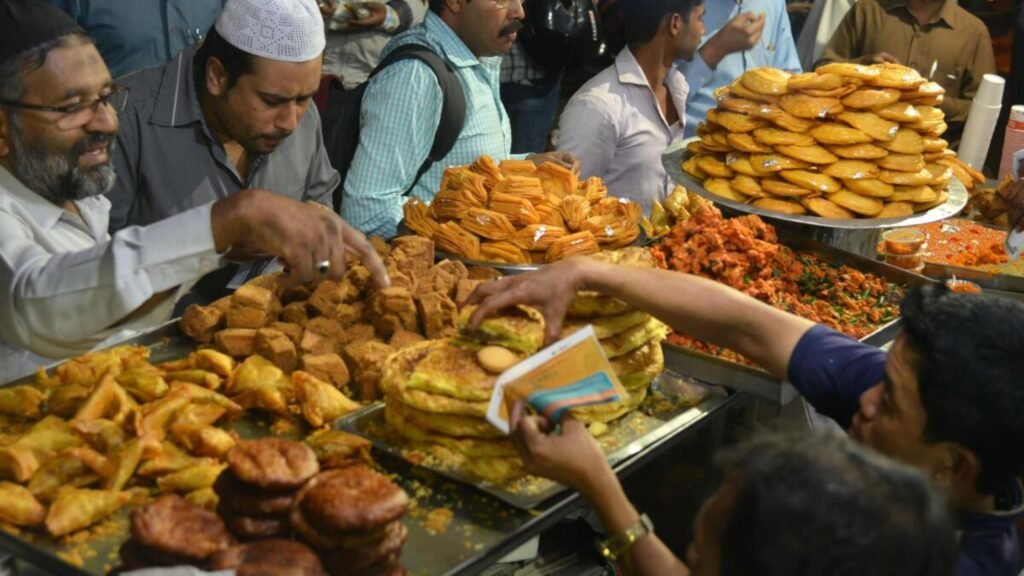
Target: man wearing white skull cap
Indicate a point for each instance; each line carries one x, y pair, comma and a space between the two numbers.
230, 113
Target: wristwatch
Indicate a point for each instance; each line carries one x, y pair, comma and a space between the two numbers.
613, 548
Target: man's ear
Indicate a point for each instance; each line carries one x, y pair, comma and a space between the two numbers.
455, 6
960, 469
217, 82
676, 25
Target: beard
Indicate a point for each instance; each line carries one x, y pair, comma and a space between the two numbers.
56, 176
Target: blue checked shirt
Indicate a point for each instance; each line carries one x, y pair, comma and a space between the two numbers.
400, 115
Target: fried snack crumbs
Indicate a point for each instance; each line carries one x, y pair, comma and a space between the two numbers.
438, 520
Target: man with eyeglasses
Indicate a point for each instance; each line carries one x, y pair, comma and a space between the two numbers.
67, 285
231, 113
401, 111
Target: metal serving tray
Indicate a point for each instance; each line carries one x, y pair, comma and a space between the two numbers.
625, 438
722, 372
480, 529
676, 154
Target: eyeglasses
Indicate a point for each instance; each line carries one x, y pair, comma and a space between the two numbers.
80, 113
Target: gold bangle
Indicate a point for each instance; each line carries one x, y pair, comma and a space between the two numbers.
613, 548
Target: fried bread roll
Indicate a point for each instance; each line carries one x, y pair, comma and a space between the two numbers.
747, 186
770, 81
518, 210
924, 207
714, 167
863, 205
915, 194
835, 133
789, 122
779, 137
899, 112
921, 178
851, 170
809, 154
740, 163
537, 237
786, 189
735, 122
746, 143
804, 106
449, 205
906, 141
871, 124
871, 98
859, 151
941, 175
870, 187
849, 70
896, 76
903, 162
826, 208
896, 210
811, 180
769, 163
486, 167
739, 90
418, 218
815, 81
574, 209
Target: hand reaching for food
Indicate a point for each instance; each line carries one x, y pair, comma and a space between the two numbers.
743, 32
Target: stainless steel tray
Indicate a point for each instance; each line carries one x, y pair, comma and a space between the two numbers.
625, 438
676, 154
735, 376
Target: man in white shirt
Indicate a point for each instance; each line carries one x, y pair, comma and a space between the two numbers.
621, 121
67, 286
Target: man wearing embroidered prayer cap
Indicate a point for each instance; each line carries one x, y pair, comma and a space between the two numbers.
230, 113
66, 285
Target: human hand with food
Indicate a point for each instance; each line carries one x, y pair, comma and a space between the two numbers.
569, 456
741, 33
313, 242
566, 160
549, 290
378, 13
879, 58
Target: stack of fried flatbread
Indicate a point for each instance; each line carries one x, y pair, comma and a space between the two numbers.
437, 392
844, 141
517, 213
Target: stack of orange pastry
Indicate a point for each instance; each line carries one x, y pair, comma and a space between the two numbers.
518, 213
844, 141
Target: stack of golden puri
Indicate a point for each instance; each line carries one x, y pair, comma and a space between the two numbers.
437, 392
517, 213
844, 141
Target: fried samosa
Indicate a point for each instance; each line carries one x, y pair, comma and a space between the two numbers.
20, 507
321, 403
78, 508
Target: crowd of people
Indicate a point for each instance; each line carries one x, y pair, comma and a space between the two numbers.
162, 152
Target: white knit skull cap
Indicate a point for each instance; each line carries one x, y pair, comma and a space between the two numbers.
286, 30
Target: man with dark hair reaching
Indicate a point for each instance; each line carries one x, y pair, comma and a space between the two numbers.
948, 398
232, 113
621, 121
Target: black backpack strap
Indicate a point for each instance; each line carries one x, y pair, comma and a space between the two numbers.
453, 111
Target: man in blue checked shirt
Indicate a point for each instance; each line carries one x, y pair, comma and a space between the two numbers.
739, 35
401, 111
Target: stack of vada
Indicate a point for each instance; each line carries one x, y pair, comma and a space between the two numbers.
257, 490
844, 141
352, 517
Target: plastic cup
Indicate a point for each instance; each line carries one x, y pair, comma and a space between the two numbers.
990, 92
903, 241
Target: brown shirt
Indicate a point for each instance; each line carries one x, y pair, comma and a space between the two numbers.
956, 45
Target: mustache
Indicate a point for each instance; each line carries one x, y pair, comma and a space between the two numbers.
90, 141
512, 27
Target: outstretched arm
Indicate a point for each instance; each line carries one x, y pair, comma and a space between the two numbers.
701, 308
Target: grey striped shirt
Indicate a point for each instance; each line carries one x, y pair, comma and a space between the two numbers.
168, 161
